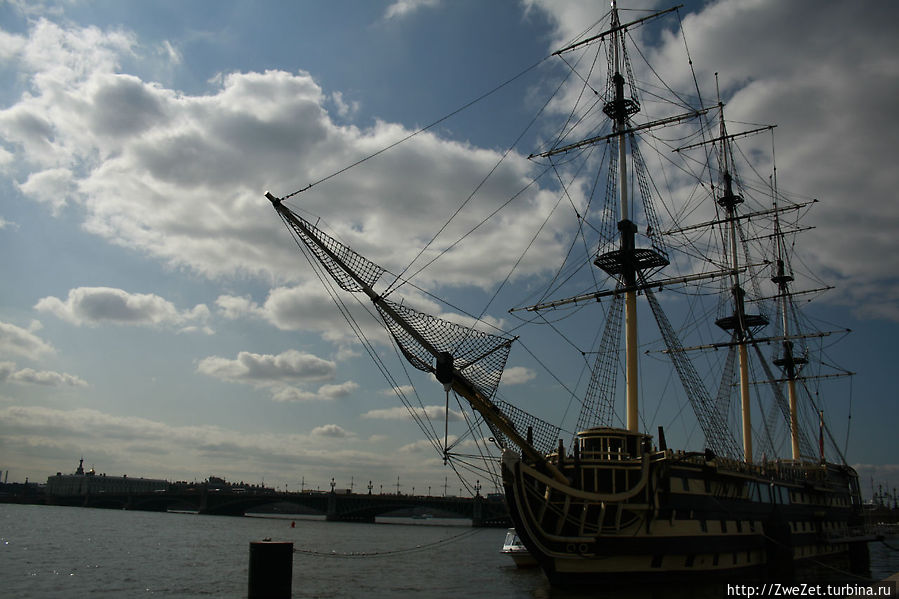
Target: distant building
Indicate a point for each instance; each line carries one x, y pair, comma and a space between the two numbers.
90, 483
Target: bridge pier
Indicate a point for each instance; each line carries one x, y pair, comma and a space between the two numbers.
334, 515
350, 518
477, 512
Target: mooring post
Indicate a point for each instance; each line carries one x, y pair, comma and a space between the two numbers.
271, 570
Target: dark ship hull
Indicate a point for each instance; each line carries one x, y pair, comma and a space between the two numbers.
634, 514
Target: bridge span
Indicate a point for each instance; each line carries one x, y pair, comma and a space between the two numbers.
340, 507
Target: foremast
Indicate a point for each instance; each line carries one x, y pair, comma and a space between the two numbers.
627, 263
355, 273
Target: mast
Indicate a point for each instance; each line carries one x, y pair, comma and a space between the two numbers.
789, 363
622, 109
739, 323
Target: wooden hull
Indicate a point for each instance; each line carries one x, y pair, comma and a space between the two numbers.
667, 516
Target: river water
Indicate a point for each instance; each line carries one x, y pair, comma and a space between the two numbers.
66, 552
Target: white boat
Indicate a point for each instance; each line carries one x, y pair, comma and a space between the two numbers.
514, 548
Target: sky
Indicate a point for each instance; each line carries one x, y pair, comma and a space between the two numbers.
156, 317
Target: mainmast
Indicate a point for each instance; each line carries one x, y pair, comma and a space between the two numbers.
740, 324
620, 109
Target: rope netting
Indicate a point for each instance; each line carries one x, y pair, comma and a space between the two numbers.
362, 268
479, 356
544, 436
717, 434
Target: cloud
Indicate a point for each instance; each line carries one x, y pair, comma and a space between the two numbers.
29, 376
344, 109
337, 391
309, 307
166, 450
98, 305
403, 8
53, 186
17, 341
421, 446
402, 413
518, 375
402, 389
169, 51
324, 393
181, 177
330, 430
290, 365
280, 374
233, 307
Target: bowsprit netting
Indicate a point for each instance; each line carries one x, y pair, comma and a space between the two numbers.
542, 435
330, 252
480, 357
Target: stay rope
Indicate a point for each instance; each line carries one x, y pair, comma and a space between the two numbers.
369, 554
422, 129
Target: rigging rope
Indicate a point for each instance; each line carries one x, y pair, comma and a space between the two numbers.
407, 550
473, 193
422, 129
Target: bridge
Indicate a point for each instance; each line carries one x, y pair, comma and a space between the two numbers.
338, 507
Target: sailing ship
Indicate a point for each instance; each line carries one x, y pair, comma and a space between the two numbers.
613, 503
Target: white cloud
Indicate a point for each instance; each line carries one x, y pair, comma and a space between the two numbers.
518, 375
181, 177
308, 307
290, 365
170, 52
29, 376
324, 393
53, 186
233, 307
10, 45
403, 8
330, 430
337, 391
96, 305
280, 374
17, 341
344, 109
401, 413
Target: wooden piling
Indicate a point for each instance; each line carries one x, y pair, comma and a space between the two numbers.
271, 570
